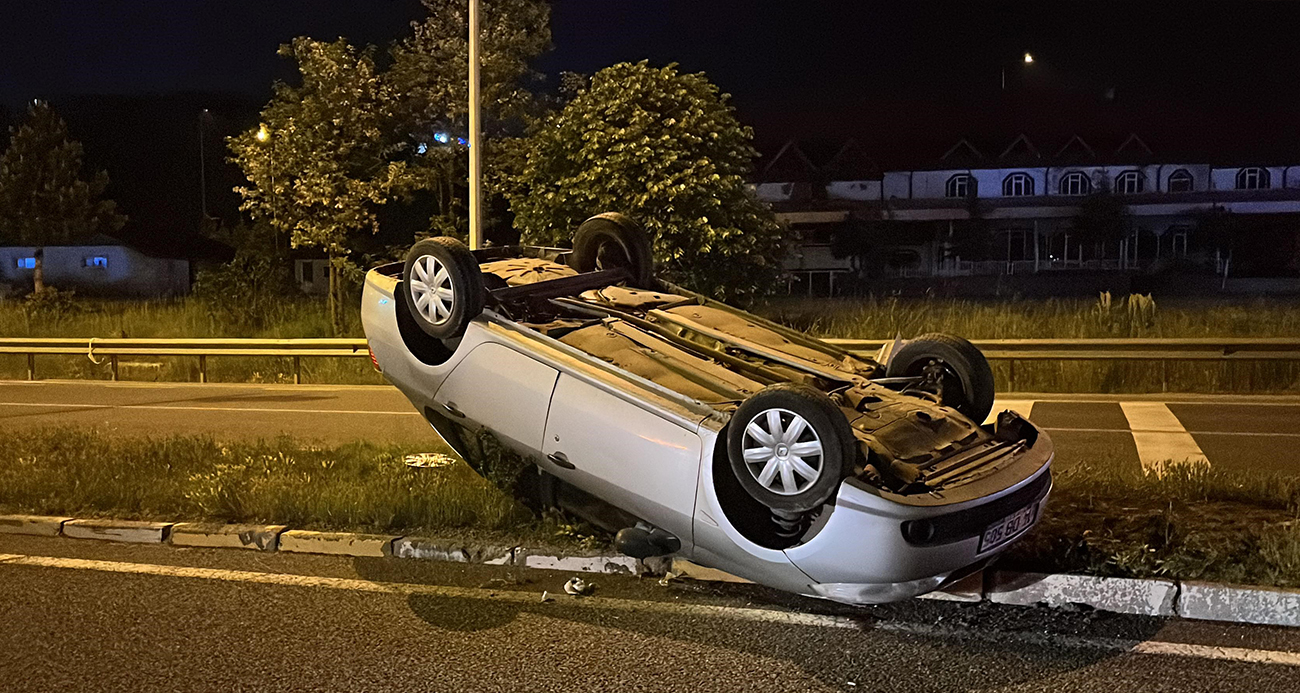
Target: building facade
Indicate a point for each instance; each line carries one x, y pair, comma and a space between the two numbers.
1029, 208
95, 270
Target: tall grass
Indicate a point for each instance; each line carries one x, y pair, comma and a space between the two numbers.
180, 319
1106, 518
1105, 317
356, 487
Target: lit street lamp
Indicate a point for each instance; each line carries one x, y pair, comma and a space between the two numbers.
1028, 60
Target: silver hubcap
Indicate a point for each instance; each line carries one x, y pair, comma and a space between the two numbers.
782, 451
431, 291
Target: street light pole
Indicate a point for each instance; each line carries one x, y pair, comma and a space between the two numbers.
203, 172
475, 127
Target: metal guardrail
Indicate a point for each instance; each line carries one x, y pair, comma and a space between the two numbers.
1135, 349
114, 349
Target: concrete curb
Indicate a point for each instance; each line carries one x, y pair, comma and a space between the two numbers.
35, 525
1119, 595
215, 536
1265, 606
1165, 598
337, 543
129, 531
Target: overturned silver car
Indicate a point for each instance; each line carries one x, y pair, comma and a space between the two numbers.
698, 430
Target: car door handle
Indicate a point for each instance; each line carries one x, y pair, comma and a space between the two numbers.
450, 408
560, 460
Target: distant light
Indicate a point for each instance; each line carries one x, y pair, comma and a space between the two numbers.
1028, 58
263, 134
421, 148
461, 141
442, 137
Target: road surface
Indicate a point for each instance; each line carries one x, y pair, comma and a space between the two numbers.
89, 615
1253, 433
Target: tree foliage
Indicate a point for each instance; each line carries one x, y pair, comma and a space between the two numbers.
321, 163
44, 199
431, 66
666, 148
1102, 217
430, 70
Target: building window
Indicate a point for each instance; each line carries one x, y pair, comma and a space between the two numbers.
1180, 181
1253, 178
1075, 183
26, 263
960, 185
1177, 240
1017, 185
96, 261
1130, 183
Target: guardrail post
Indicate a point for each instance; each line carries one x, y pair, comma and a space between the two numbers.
112, 360
1011, 367
297, 370
203, 368
31, 366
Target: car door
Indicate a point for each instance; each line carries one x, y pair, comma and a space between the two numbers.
503, 390
623, 454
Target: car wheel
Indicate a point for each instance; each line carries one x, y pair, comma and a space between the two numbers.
610, 241
951, 368
444, 287
790, 446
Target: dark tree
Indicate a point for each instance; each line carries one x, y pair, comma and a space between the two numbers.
44, 200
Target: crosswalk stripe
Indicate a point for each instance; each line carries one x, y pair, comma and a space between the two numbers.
1160, 437
1021, 406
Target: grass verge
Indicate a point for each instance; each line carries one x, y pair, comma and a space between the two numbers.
358, 487
1103, 518
1191, 524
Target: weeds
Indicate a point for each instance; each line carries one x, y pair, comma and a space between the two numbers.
1104, 317
1191, 524
357, 486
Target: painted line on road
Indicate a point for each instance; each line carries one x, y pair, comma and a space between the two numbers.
1151, 647
1247, 434
1023, 407
262, 410
1160, 437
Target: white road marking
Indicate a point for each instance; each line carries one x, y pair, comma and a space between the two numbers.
1023, 407
1160, 437
1245, 434
197, 408
1150, 647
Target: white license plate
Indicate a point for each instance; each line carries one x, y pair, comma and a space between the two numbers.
1008, 528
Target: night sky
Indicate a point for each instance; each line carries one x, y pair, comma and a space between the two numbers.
773, 56
904, 78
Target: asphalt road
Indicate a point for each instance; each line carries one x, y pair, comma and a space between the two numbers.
1255, 433
110, 617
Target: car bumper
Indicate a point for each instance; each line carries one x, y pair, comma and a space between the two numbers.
862, 556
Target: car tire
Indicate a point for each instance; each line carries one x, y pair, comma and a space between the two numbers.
768, 463
444, 287
612, 240
962, 361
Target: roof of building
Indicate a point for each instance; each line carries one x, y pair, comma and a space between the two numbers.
1026, 129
